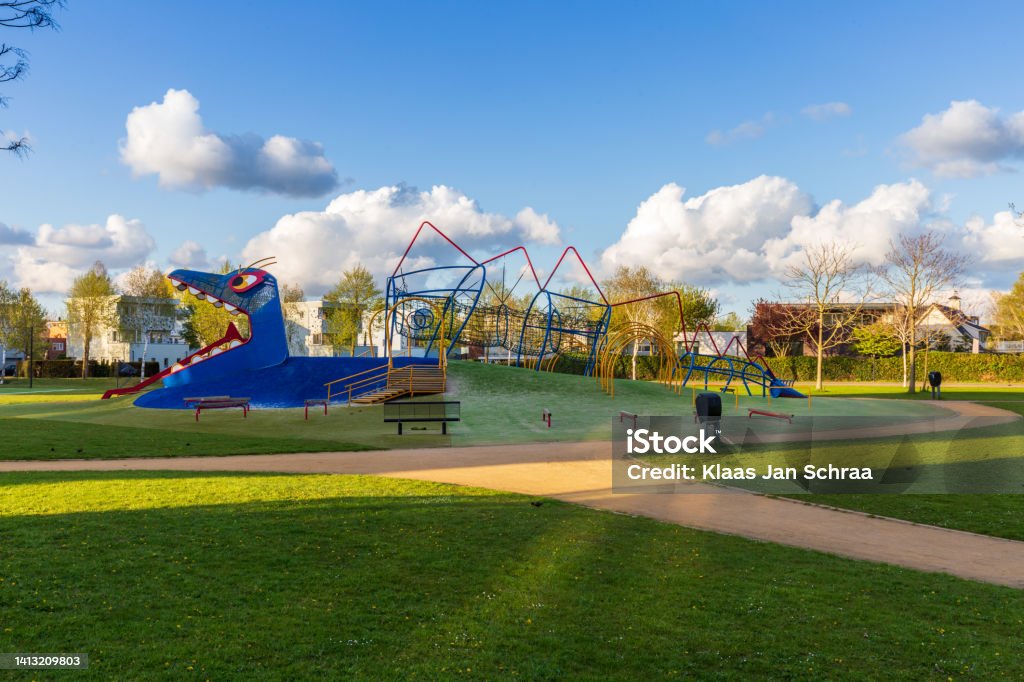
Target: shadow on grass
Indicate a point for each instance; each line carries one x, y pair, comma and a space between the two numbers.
489, 585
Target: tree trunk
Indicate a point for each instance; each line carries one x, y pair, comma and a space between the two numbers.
85, 358
904, 354
821, 355
913, 361
636, 349
3, 364
145, 347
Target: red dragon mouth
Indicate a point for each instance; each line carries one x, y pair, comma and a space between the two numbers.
232, 338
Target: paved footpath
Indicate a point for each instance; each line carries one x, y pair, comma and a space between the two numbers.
581, 473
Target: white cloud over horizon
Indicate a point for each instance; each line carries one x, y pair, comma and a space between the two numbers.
748, 233
966, 140
56, 256
168, 139
373, 227
827, 110
747, 130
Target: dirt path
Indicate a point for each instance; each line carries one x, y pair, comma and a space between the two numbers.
581, 473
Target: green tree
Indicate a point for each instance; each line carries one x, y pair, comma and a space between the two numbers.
1009, 318
90, 308
291, 294
876, 341
729, 323
349, 299
662, 313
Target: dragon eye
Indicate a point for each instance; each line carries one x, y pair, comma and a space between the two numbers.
243, 282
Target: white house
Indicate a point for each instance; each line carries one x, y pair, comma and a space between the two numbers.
308, 333
145, 328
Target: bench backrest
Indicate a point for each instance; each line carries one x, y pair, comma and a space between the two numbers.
408, 409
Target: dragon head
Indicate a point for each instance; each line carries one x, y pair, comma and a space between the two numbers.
249, 292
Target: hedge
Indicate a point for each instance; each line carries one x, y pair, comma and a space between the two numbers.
955, 367
72, 369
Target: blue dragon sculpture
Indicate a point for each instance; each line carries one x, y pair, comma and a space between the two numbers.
259, 366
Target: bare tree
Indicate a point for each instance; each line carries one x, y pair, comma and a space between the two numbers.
918, 268
833, 290
30, 14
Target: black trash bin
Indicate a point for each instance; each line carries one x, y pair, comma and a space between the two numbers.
709, 412
935, 381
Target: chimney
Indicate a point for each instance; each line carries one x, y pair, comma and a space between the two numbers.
954, 301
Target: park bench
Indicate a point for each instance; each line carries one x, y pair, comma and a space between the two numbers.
443, 411
316, 401
217, 402
623, 416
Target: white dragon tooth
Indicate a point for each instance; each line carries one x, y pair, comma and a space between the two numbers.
235, 344
216, 351
230, 308
193, 291
177, 367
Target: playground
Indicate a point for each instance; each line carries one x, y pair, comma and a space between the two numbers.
147, 534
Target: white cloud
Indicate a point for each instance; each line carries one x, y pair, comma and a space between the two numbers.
169, 139
58, 255
868, 225
713, 238
189, 255
966, 140
749, 232
373, 227
826, 111
998, 245
747, 130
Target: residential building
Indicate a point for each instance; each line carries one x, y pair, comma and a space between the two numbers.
144, 327
943, 326
308, 332
56, 339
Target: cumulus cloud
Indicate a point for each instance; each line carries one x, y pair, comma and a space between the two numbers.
966, 140
189, 255
372, 227
998, 245
57, 255
826, 111
747, 130
12, 235
716, 237
168, 139
750, 232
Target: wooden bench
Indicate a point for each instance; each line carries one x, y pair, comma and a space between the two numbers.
443, 411
627, 415
217, 402
777, 415
316, 401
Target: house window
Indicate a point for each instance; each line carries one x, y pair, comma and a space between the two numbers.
58, 345
318, 339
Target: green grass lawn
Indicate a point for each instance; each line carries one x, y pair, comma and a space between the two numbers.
299, 577
499, 405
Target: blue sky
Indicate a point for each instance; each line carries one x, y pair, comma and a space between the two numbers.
580, 112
